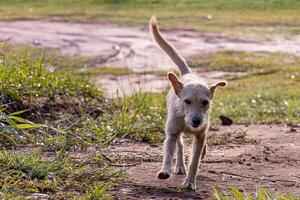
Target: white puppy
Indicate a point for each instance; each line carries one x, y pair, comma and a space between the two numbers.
188, 107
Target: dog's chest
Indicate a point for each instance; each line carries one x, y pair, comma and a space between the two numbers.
189, 131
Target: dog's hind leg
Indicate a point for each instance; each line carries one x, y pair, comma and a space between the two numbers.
198, 145
179, 167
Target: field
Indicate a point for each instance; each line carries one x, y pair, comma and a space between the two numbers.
83, 112
235, 15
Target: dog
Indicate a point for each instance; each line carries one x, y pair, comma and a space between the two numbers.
188, 108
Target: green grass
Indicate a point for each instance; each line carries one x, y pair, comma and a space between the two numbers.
68, 107
26, 173
12, 129
60, 111
262, 194
24, 74
231, 16
27, 72
247, 62
272, 98
145, 115
268, 92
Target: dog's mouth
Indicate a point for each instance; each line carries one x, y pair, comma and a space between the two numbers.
195, 125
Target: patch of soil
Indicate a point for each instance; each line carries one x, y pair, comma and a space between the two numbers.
269, 157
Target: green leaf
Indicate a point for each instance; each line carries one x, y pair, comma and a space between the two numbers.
13, 95
218, 194
28, 126
20, 120
18, 112
236, 193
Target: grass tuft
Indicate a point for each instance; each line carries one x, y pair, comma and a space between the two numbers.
262, 194
26, 73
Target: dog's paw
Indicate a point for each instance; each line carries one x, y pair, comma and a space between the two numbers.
189, 185
179, 170
163, 174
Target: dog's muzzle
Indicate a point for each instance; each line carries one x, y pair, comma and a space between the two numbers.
196, 121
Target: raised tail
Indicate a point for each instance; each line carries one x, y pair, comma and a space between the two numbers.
168, 48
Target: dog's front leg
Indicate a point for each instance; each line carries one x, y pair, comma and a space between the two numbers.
198, 145
179, 167
169, 149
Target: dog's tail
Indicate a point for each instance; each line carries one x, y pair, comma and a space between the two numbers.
166, 47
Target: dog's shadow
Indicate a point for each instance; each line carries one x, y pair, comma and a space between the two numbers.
171, 188
167, 193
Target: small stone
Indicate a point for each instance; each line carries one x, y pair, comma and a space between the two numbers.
266, 159
214, 128
36, 42
293, 130
226, 121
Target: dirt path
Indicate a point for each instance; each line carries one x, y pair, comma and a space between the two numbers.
132, 47
268, 156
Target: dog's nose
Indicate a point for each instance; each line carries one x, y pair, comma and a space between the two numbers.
196, 121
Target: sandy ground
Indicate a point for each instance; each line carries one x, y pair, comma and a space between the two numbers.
269, 157
132, 47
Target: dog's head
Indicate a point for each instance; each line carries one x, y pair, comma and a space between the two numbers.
195, 100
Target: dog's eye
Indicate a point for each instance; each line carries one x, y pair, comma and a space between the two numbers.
187, 101
204, 102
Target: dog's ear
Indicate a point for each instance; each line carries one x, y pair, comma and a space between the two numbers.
213, 88
177, 85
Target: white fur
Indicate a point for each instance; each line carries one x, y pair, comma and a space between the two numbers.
181, 114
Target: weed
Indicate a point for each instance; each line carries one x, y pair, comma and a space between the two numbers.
97, 191
29, 173
25, 73
140, 117
27, 83
12, 127
262, 194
